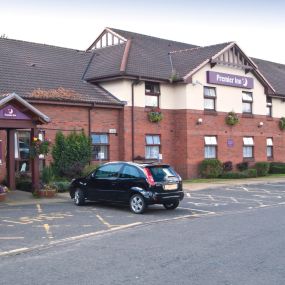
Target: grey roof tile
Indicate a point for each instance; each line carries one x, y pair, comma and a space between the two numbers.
26, 67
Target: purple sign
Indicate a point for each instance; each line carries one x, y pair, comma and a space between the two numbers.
12, 113
229, 80
230, 142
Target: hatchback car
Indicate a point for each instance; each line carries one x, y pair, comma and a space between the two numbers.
138, 185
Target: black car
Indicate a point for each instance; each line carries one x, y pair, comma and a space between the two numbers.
138, 185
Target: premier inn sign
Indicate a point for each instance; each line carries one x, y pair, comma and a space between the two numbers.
229, 80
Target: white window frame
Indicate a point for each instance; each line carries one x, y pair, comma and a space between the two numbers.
269, 148
152, 147
210, 148
248, 147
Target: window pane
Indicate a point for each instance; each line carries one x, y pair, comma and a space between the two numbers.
151, 101
149, 139
211, 92
247, 151
269, 142
100, 152
152, 152
246, 108
247, 96
269, 151
130, 172
111, 170
156, 140
209, 104
210, 140
248, 141
152, 87
210, 152
99, 138
269, 111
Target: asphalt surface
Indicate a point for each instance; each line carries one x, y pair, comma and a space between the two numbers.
227, 235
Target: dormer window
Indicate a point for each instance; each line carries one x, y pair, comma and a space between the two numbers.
152, 92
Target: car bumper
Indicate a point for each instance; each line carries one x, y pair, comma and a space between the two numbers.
161, 198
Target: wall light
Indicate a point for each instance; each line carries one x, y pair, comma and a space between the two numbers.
199, 121
260, 124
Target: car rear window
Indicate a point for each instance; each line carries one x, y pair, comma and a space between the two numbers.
161, 173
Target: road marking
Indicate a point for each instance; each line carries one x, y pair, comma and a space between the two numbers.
14, 251
188, 195
47, 229
39, 208
103, 221
9, 238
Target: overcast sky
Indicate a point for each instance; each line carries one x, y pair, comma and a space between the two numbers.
258, 27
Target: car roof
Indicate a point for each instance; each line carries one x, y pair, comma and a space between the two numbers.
143, 164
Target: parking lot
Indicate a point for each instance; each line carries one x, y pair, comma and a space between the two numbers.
27, 227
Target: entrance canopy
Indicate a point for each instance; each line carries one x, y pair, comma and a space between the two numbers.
15, 112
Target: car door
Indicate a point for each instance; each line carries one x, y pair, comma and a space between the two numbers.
130, 176
103, 183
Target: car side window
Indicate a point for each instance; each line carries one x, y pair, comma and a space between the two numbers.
107, 171
130, 172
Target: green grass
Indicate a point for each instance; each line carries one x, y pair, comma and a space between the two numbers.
217, 180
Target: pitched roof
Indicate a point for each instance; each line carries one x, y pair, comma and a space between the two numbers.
148, 57
25, 67
274, 72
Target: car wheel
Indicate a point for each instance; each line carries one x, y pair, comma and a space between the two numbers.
171, 206
137, 204
79, 198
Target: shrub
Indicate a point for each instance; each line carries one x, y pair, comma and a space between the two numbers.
61, 186
71, 154
227, 166
262, 168
277, 168
234, 175
47, 175
24, 182
242, 166
210, 168
89, 168
251, 173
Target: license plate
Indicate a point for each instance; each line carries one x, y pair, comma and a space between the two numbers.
170, 187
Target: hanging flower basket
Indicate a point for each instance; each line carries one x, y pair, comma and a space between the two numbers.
155, 115
39, 147
282, 123
232, 119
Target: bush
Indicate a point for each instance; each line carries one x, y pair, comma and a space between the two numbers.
242, 166
262, 168
61, 186
71, 154
227, 166
210, 168
234, 175
47, 175
251, 173
89, 168
277, 168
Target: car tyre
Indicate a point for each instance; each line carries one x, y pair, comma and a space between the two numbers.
79, 198
137, 204
171, 206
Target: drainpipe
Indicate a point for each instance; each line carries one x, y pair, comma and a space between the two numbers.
134, 83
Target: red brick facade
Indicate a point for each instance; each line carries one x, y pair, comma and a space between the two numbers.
182, 139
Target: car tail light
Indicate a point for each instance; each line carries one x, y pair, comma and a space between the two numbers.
149, 177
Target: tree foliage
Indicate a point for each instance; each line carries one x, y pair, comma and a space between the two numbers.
71, 153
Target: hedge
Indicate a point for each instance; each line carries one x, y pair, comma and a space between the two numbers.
249, 173
262, 168
277, 168
210, 168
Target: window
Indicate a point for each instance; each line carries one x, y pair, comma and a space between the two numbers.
268, 106
130, 172
152, 92
100, 146
247, 102
210, 147
269, 148
109, 170
209, 98
248, 147
152, 148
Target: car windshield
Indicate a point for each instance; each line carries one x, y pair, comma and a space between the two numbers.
161, 173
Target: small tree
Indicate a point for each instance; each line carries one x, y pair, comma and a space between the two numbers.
71, 153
